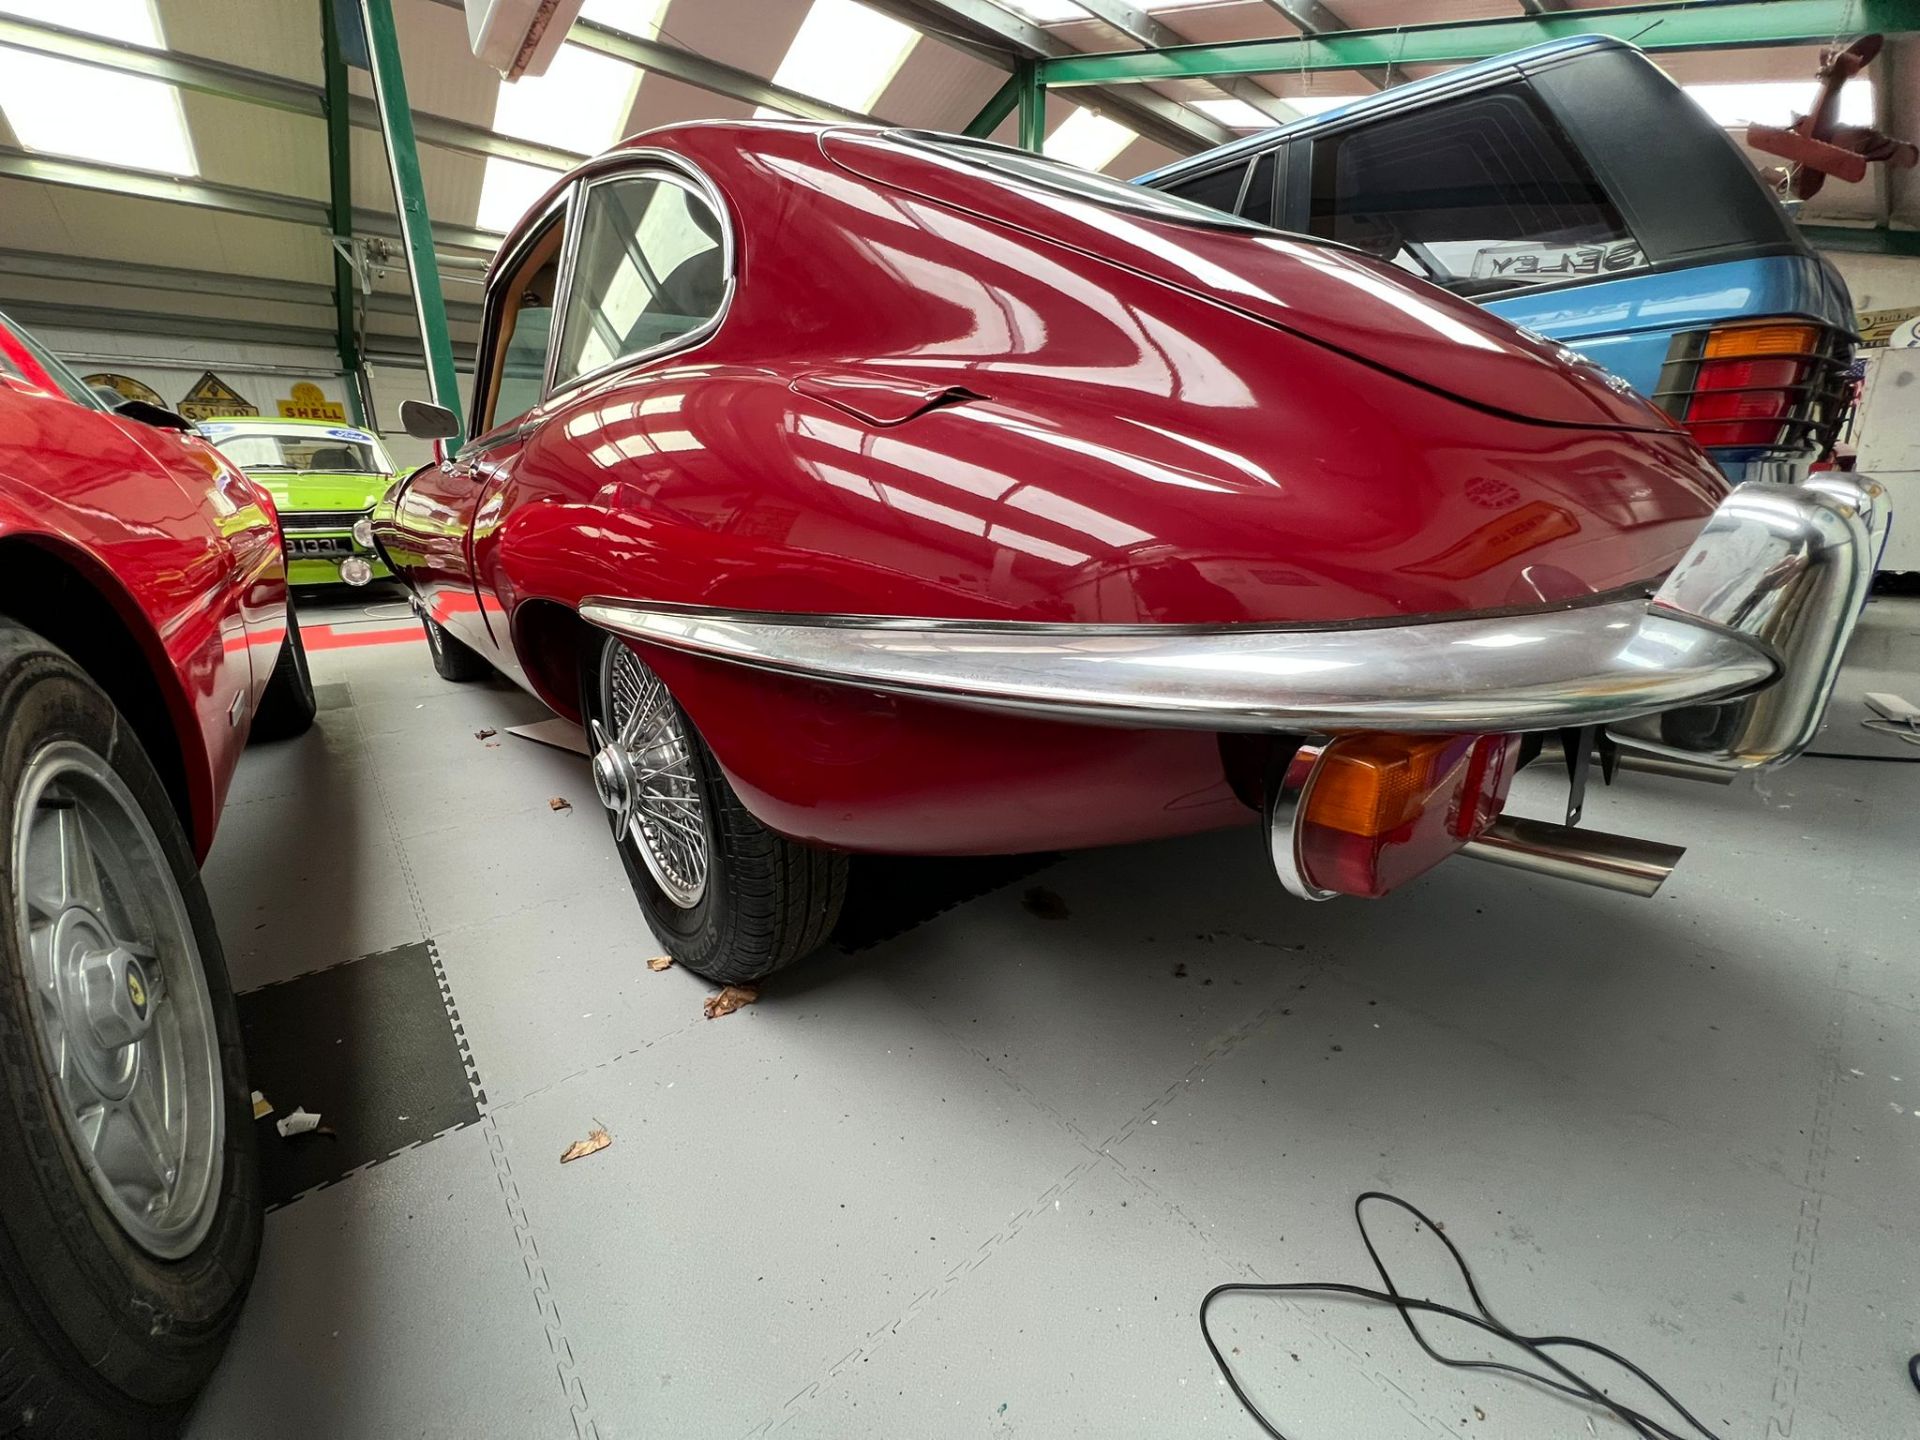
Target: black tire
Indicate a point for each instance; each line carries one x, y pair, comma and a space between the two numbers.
288, 706
768, 900
453, 660
98, 1337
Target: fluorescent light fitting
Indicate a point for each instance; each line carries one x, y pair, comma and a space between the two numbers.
581, 104
1090, 141
62, 107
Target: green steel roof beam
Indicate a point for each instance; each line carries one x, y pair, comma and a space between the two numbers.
410, 198
1033, 106
1004, 102
1310, 17
340, 208
1702, 25
1130, 20
1001, 37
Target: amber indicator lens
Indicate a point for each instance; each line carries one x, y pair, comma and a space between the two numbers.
1384, 808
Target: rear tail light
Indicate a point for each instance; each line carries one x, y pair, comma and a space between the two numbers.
1770, 385
1384, 808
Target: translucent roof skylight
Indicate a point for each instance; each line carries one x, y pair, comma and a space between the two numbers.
1046, 12
845, 54
631, 17
1318, 104
61, 107
1088, 140
1234, 114
1776, 102
581, 103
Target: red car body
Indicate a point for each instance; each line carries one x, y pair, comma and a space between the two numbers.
939, 393
148, 558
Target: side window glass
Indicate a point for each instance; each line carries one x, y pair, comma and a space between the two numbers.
1482, 195
1217, 189
651, 269
517, 364
1257, 203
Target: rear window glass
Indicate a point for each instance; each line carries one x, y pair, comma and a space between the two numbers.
1056, 176
1217, 189
1257, 203
1483, 195
316, 454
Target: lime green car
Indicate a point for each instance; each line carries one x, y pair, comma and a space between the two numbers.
325, 477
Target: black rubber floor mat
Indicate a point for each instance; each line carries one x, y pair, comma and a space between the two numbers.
372, 1048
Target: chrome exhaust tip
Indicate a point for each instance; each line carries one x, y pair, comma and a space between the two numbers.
1621, 863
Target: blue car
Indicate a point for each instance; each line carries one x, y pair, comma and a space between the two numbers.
1576, 190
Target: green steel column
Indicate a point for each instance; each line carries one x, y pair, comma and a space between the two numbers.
1033, 106
403, 160
995, 110
340, 206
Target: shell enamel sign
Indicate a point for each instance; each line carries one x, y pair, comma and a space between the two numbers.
308, 403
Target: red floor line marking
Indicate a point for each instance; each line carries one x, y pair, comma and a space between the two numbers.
325, 637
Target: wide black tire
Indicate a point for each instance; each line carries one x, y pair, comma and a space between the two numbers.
453, 660
768, 900
98, 1338
288, 706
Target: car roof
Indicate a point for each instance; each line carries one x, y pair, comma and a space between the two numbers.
1531, 58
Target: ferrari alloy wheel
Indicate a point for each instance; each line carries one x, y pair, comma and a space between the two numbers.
129, 1198
120, 1005
730, 899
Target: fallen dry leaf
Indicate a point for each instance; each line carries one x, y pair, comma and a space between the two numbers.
597, 1139
485, 734
725, 1002
659, 962
1044, 903
559, 802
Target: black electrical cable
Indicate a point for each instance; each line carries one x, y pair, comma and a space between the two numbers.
1482, 1318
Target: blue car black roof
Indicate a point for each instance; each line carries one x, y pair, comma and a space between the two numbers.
1531, 58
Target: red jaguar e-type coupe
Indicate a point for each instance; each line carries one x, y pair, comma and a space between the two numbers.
144, 636
868, 490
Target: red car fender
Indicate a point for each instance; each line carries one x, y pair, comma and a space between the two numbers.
19, 528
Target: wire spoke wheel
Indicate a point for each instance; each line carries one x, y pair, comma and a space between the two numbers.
645, 775
119, 998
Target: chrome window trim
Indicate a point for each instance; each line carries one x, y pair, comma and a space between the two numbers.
504, 265
1768, 593
641, 165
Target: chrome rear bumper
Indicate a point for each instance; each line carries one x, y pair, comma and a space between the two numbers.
1756, 615
1790, 567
